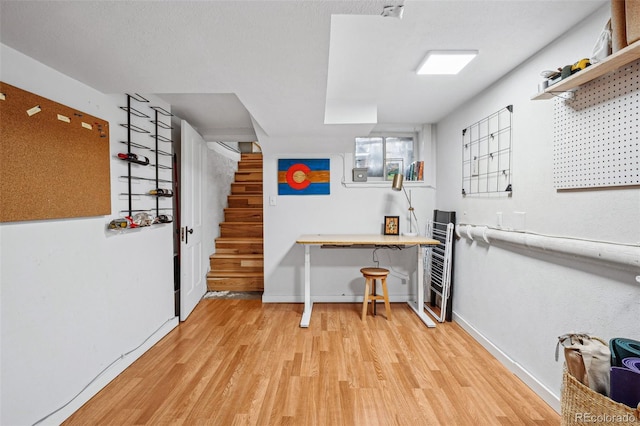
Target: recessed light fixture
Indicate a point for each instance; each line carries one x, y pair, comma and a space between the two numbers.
446, 61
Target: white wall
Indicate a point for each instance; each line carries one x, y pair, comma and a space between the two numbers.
335, 273
514, 300
220, 169
75, 297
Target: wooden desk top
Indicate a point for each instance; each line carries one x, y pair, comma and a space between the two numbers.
364, 239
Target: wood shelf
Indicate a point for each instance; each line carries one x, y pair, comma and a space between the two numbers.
611, 63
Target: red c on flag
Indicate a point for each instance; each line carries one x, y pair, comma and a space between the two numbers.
298, 176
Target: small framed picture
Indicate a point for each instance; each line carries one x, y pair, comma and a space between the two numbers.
392, 167
392, 225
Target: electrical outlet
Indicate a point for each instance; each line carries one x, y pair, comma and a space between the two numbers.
519, 221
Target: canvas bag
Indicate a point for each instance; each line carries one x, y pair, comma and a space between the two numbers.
588, 359
602, 48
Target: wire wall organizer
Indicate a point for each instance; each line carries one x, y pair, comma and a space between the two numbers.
486, 154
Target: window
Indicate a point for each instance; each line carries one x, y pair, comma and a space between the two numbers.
380, 154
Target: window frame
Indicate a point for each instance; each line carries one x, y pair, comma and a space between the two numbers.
384, 136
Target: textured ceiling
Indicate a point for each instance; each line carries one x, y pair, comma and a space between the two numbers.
286, 66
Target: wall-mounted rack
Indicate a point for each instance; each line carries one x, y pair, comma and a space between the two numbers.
134, 112
611, 63
145, 178
135, 145
157, 173
159, 138
135, 128
143, 194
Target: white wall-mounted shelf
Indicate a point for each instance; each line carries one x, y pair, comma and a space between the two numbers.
611, 63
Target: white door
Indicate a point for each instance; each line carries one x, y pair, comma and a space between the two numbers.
192, 257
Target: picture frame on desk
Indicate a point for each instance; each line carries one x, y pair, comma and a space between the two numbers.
392, 225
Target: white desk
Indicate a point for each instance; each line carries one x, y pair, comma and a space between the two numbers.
347, 240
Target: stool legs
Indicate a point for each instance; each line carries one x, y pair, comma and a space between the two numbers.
374, 304
387, 306
365, 303
370, 295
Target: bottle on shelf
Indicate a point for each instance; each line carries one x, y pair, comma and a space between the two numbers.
161, 192
163, 218
134, 158
142, 219
118, 223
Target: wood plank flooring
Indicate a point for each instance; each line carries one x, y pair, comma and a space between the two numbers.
241, 362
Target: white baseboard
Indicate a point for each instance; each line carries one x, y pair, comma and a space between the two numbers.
108, 375
266, 298
541, 390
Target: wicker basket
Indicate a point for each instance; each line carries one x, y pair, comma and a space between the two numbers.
580, 405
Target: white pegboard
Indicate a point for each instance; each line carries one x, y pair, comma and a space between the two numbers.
596, 134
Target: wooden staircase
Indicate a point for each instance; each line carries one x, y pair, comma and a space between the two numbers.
238, 263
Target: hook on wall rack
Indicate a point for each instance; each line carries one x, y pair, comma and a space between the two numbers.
137, 97
134, 111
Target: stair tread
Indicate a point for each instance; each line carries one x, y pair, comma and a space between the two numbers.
244, 209
233, 256
234, 274
237, 217
240, 239
236, 284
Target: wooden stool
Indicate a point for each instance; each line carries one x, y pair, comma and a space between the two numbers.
370, 277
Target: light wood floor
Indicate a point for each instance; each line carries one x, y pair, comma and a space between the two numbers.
239, 362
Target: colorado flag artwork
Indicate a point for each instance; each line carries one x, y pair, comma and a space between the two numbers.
303, 177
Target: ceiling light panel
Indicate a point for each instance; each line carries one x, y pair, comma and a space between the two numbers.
445, 61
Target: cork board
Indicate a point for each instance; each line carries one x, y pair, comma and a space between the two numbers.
54, 160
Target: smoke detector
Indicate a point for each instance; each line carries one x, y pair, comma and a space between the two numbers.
393, 11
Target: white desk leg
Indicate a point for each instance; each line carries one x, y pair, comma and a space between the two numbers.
418, 306
308, 305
